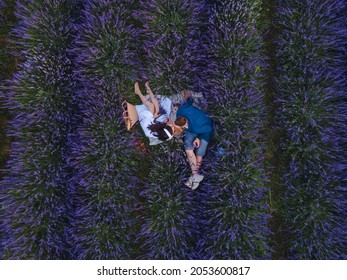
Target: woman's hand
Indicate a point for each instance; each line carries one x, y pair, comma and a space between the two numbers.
196, 143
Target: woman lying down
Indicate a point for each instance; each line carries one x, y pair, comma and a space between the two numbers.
156, 116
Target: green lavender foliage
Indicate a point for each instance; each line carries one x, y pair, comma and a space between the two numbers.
75, 187
7, 64
34, 192
311, 89
170, 45
169, 226
7, 67
236, 212
103, 159
7, 19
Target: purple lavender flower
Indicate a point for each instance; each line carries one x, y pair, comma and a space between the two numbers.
36, 206
172, 47
169, 224
104, 161
310, 101
75, 187
236, 210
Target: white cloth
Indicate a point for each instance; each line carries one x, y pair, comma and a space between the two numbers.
146, 117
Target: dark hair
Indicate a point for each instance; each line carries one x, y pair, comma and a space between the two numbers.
181, 121
157, 129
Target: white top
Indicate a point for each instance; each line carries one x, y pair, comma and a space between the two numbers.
146, 117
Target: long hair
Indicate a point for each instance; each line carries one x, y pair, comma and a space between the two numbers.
157, 129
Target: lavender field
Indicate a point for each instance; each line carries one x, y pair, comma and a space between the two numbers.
75, 184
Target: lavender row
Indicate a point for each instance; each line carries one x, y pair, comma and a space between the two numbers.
172, 49
34, 192
6, 68
169, 225
171, 55
310, 83
236, 210
104, 162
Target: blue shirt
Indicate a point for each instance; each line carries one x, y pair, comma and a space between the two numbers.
198, 121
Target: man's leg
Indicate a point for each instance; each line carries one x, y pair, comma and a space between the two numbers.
192, 161
194, 180
189, 148
200, 152
198, 162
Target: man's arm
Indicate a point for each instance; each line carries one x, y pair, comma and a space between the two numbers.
189, 101
188, 97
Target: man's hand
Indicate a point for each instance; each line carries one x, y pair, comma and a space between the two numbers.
196, 143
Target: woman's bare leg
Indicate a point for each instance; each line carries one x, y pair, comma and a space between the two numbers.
153, 99
144, 100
